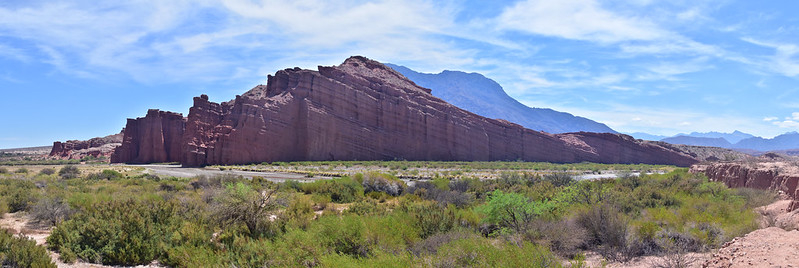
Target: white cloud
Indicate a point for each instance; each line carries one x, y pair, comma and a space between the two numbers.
784, 61
576, 19
791, 121
13, 53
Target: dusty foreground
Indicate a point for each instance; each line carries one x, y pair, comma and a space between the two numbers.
769, 246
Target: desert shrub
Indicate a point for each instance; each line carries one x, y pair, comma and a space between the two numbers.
69, 172
607, 228
299, 212
513, 211
3, 207
19, 195
430, 245
118, 232
47, 171
430, 218
21, 170
441, 183
50, 211
460, 185
106, 174
756, 197
364, 207
480, 252
378, 182
564, 236
378, 259
240, 204
18, 251
559, 179
430, 191
342, 190
3, 170
508, 180
343, 235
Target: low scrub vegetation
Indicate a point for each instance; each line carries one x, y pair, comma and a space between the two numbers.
374, 219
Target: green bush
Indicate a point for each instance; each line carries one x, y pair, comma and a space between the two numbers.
22, 170
19, 195
3, 170
47, 171
430, 218
480, 252
342, 190
240, 204
69, 172
118, 232
106, 174
378, 182
22, 252
512, 210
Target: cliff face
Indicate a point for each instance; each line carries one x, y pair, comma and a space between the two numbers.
777, 176
363, 110
77, 149
155, 138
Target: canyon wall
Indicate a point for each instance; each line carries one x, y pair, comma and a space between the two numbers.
155, 138
779, 176
363, 110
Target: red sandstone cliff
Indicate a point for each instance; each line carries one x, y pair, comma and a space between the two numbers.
77, 149
363, 110
155, 138
778, 176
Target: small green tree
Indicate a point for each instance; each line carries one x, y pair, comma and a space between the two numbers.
241, 204
512, 210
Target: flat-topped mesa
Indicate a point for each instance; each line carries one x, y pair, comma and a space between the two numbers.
155, 138
363, 110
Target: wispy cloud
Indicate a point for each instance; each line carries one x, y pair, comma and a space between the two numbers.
784, 61
576, 19
788, 122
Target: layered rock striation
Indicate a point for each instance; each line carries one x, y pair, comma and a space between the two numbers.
779, 176
77, 149
155, 138
363, 110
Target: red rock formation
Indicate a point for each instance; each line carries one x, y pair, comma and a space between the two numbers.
77, 149
363, 110
777, 176
155, 138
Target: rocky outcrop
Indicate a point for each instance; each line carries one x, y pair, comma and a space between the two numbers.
155, 138
77, 149
782, 177
363, 110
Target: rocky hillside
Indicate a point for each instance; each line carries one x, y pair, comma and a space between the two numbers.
77, 149
771, 173
359, 110
478, 94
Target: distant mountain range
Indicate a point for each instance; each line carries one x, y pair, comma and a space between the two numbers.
478, 94
735, 140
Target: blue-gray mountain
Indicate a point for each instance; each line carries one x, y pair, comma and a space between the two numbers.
478, 94
738, 140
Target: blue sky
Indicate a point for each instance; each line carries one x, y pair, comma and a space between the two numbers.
78, 69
